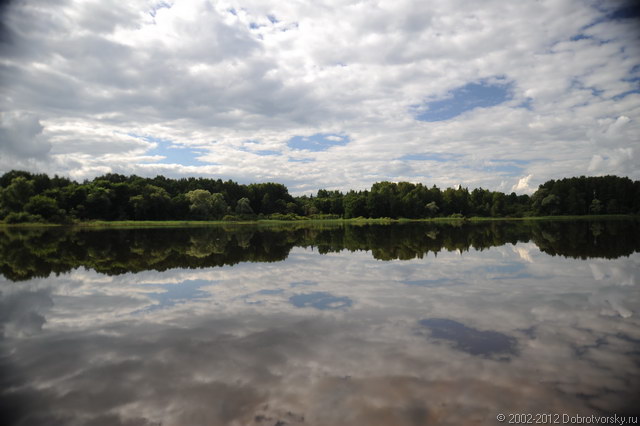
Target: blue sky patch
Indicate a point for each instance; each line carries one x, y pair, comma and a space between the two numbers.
173, 154
634, 78
465, 98
622, 95
577, 84
318, 142
266, 152
506, 169
628, 10
527, 104
580, 37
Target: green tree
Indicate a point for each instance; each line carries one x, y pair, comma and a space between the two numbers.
550, 204
267, 204
201, 203
382, 200
292, 208
98, 203
574, 202
243, 207
153, 203
413, 201
432, 208
219, 206
16, 195
355, 204
46, 207
480, 201
497, 205
595, 207
205, 205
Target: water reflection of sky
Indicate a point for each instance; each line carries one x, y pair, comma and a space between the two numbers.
325, 339
320, 300
170, 294
470, 340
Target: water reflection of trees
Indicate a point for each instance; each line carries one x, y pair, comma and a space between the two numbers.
29, 253
587, 239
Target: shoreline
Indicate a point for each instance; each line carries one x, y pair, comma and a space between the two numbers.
266, 222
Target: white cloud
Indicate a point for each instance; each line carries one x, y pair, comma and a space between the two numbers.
215, 75
21, 140
624, 159
523, 185
20, 135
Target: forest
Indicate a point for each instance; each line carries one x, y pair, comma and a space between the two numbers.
28, 197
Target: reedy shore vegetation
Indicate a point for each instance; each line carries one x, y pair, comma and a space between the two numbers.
37, 198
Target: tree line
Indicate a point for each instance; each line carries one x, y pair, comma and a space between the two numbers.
36, 197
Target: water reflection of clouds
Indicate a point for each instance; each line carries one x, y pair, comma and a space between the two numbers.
624, 274
523, 251
469, 339
320, 300
303, 283
260, 297
182, 292
244, 343
23, 313
432, 283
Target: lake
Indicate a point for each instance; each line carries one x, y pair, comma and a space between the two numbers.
402, 324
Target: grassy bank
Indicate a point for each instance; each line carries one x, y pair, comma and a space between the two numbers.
267, 222
565, 218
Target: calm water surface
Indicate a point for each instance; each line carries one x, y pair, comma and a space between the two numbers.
368, 325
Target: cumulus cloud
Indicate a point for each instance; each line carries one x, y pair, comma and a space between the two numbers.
625, 160
216, 75
22, 142
523, 185
21, 136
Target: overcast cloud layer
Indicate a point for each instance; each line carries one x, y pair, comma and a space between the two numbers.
334, 94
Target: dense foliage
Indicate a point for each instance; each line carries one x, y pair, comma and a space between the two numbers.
28, 197
27, 253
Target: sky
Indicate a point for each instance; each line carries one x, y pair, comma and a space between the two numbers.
502, 95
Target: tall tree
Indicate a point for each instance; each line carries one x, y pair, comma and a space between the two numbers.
16, 195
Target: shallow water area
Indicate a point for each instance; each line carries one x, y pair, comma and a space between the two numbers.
399, 324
